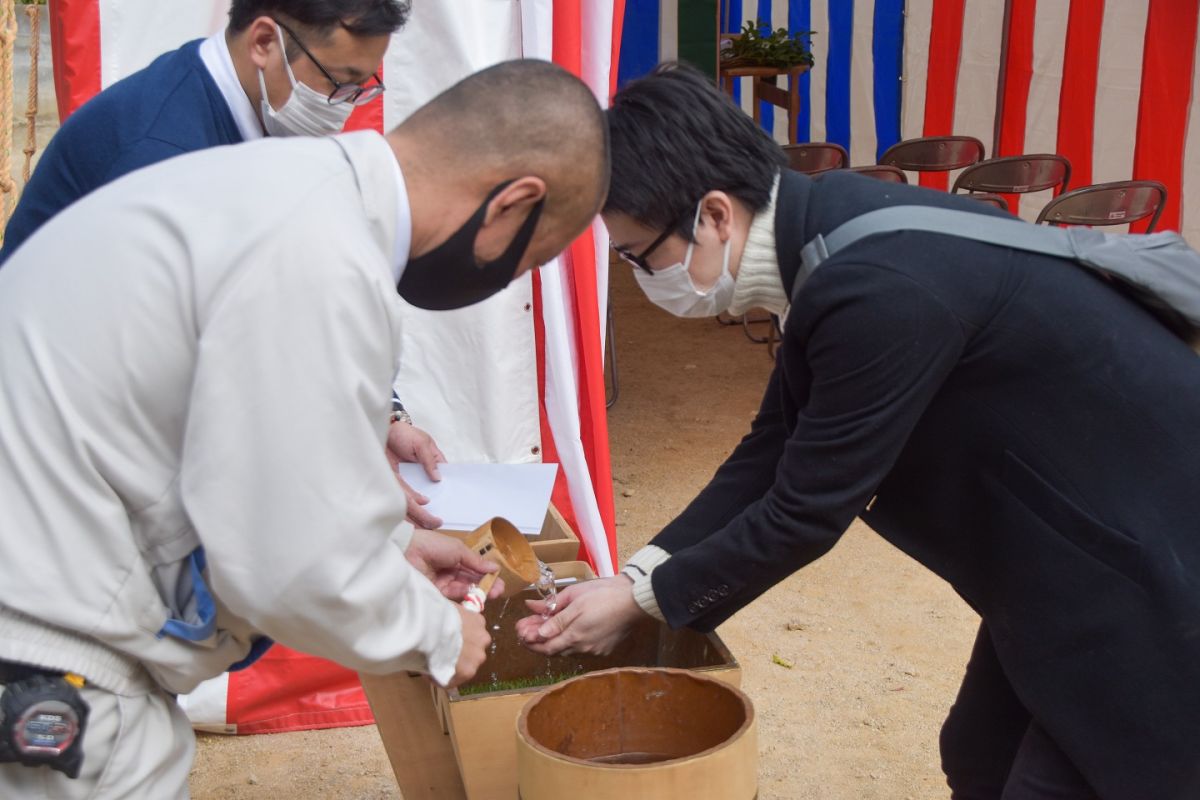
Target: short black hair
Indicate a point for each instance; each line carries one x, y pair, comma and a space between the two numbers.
675, 137
359, 17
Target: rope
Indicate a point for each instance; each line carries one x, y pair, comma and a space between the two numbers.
31, 108
8, 41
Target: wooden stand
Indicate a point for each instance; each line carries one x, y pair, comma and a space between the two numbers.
766, 90
421, 753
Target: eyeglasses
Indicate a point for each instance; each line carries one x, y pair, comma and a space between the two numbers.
353, 93
639, 259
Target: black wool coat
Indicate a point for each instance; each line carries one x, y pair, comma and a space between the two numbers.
1016, 425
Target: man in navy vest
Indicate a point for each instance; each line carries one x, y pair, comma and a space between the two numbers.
281, 67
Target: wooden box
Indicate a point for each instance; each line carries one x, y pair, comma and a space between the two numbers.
477, 731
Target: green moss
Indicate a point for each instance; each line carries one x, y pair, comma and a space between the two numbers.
517, 683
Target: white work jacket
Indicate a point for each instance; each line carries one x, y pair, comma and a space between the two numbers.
195, 376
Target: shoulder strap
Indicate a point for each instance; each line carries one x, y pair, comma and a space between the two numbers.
964, 224
1161, 270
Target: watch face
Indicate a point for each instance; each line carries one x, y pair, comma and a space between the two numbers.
46, 729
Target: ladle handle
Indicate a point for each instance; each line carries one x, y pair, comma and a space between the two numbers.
477, 594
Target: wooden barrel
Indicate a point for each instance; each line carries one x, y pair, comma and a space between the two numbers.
629, 733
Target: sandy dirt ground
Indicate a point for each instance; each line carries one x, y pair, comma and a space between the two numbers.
876, 642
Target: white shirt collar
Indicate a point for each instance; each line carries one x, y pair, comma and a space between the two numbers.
403, 223
214, 52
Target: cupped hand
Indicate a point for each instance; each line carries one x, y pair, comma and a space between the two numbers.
591, 617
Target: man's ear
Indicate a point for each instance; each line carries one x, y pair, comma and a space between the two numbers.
518, 196
262, 37
716, 208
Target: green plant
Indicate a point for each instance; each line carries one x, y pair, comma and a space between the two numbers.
516, 683
759, 46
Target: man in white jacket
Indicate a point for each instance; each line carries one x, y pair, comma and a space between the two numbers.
165, 504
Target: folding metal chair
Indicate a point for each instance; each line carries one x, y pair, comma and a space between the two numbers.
813, 158
991, 199
934, 153
1016, 175
1108, 204
883, 172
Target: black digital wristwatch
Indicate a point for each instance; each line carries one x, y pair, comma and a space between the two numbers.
42, 718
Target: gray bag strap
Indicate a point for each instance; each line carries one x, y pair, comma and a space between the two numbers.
964, 224
1162, 269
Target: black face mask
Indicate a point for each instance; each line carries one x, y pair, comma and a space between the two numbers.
448, 276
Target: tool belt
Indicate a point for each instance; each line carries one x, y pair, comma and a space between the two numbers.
42, 718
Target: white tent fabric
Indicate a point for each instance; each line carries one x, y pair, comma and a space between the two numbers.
134, 32
468, 376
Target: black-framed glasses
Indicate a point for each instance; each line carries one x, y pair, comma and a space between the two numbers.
353, 93
639, 259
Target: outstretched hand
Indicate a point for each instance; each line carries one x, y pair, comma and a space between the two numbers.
450, 564
591, 617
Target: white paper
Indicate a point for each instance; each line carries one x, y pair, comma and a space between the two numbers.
468, 495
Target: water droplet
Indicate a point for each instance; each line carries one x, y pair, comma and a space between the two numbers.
546, 589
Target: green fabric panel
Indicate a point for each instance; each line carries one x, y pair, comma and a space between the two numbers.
698, 34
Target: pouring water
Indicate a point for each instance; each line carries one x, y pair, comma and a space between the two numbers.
546, 589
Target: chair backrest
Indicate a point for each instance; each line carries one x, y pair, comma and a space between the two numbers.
992, 200
1108, 204
813, 158
934, 153
884, 172
1016, 174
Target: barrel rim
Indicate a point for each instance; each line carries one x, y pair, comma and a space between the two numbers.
524, 737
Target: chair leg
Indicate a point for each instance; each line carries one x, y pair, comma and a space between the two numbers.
774, 336
793, 107
747, 322
613, 378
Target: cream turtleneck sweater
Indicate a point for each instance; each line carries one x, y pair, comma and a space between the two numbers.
758, 284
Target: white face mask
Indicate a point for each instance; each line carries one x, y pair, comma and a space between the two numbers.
672, 288
306, 113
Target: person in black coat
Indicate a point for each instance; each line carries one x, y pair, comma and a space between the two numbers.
1009, 420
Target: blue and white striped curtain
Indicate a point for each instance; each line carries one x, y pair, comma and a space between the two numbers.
852, 94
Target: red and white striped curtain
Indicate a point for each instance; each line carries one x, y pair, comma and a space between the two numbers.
517, 378
1110, 84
